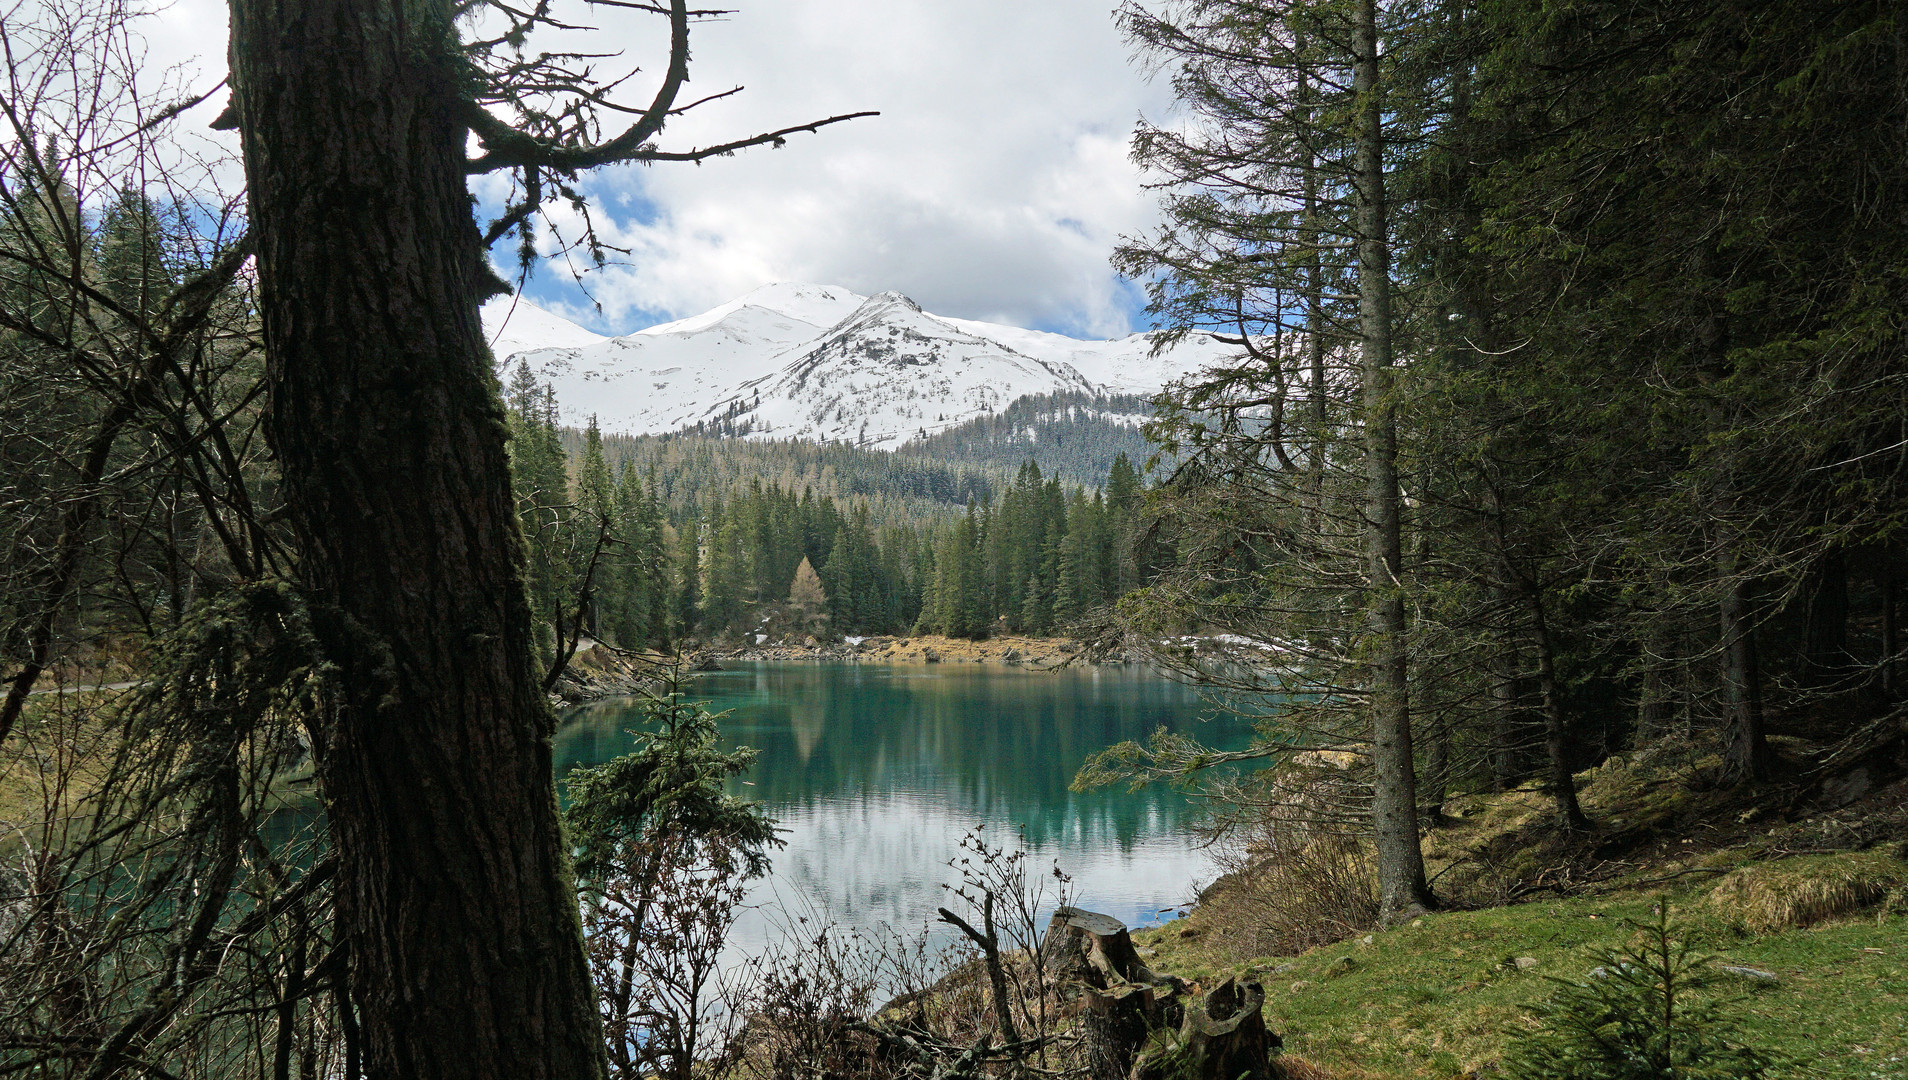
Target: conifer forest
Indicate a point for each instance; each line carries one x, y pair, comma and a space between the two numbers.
1541, 535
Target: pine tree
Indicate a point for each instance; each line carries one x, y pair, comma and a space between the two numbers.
540, 482
686, 611
1079, 585
133, 266
1122, 523
656, 614
633, 573
725, 571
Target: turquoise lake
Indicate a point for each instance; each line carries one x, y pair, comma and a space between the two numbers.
876, 771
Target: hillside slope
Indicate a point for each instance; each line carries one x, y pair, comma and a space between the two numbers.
1802, 904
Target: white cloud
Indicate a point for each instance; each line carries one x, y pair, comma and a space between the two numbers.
993, 185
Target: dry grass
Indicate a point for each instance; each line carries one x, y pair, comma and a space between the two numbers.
1805, 890
1291, 1068
1299, 893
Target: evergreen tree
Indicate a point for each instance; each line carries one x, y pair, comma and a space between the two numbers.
633, 573
686, 610
540, 481
133, 266
1122, 526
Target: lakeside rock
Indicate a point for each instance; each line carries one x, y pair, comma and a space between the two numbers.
595, 672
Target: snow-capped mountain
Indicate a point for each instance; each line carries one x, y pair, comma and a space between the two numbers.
819, 362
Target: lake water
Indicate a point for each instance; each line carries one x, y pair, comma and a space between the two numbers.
876, 771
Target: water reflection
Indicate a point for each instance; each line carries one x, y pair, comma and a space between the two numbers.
877, 770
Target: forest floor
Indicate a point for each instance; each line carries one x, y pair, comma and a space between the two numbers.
1810, 904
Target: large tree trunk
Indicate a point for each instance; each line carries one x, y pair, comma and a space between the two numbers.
1394, 811
1825, 647
1746, 754
433, 752
1563, 788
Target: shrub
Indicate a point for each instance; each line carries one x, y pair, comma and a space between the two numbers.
1637, 1017
1295, 884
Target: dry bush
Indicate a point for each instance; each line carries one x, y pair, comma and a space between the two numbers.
809, 1001
1301, 892
1295, 876
1806, 890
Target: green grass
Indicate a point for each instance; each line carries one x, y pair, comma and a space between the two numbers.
1437, 998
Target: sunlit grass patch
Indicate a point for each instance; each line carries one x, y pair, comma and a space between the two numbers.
1805, 890
1439, 997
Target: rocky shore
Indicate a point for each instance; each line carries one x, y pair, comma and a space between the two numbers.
598, 672
595, 673
1011, 650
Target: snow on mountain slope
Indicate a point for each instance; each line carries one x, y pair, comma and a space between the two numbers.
888, 372
1123, 365
818, 305
665, 378
820, 362
512, 326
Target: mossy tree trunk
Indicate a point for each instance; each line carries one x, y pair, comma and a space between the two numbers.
454, 899
1394, 811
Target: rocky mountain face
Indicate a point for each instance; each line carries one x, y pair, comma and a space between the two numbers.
820, 362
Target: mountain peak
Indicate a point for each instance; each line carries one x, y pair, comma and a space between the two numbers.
891, 299
822, 362
817, 305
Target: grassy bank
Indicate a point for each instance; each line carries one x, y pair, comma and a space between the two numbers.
1816, 898
1439, 997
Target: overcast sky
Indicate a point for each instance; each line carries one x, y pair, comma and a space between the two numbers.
993, 186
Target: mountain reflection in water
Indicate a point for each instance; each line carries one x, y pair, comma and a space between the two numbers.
875, 771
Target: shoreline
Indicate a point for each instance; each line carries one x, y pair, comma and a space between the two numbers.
1010, 650
597, 674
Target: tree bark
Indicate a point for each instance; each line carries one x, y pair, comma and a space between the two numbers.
1890, 629
1507, 719
1315, 325
1436, 784
454, 899
1654, 706
1825, 652
1092, 947
1746, 756
1223, 1037
989, 944
1394, 811
1125, 999
1563, 788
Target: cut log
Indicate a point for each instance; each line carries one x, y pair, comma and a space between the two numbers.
1223, 1037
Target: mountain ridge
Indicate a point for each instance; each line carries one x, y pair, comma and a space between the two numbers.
820, 362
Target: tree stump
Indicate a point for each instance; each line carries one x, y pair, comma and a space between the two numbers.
1223, 1037
1094, 948
1114, 1027
1125, 999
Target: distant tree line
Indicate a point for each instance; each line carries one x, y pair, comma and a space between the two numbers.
691, 468
1040, 560
1072, 435
647, 542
